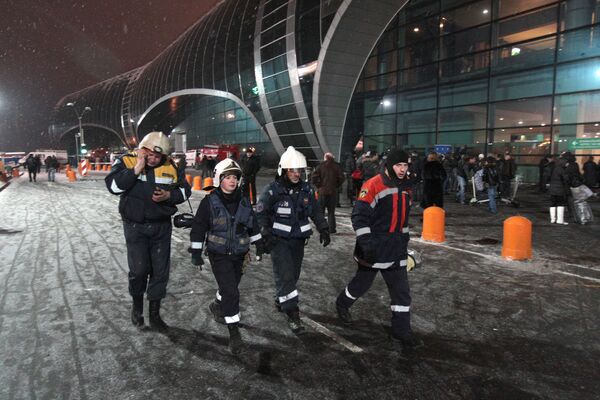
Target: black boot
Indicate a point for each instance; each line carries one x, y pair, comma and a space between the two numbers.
156, 321
137, 311
294, 322
344, 314
409, 341
235, 339
215, 309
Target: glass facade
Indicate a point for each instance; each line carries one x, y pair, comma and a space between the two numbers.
485, 76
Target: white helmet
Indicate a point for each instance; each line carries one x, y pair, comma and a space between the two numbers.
225, 168
156, 141
291, 158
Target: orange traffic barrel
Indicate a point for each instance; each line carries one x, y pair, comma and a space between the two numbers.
15, 172
197, 183
188, 178
208, 182
516, 242
105, 167
71, 176
434, 224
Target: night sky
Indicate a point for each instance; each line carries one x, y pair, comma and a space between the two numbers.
49, 48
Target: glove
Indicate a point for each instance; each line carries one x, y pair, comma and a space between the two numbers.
268, 244
197, 260
260, 249
324, 238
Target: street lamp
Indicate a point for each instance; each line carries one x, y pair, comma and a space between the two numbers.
79, 117
77, 147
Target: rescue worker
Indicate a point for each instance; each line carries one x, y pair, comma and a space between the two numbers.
226, 221
250, 167
150, 186
380, 219
283, 213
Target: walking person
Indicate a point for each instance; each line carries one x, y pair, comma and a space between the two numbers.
491, 182
226, 222
380, 219
328, 177
589, 172
558, 192
507, 172
150, 187
283, 213
434, 176
51, 167
250, 168
541, 171
349, 167
32, 167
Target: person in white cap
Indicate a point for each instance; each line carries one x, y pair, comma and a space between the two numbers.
226, 222
150, 187
283, 213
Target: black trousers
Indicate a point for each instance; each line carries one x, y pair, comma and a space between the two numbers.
148, 256
396, 280
227, 270
32, 173
287, 256
328, 202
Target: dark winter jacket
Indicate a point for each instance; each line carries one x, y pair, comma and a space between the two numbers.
369, 169
226, 222
328, 177
250, 166
490, 176
380, 220
136, 204
433, 190
558, 179
508, 169
589, 173
31, 164
349, 164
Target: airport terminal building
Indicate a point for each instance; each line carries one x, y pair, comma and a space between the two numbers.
483, 76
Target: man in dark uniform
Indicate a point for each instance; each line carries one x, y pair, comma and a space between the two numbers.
380, 219
150, 186
250, 167
283, 214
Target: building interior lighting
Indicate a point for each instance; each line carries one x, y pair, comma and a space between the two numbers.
416, 29
501, 118
515, 51
386, 103
543, 124
555, 119
520, 122
595, 124
486, 11
597, 73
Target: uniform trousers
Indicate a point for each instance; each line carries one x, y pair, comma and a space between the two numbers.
227, 270
396, 280
148, 256
287, 255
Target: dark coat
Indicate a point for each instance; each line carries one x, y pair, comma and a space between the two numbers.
328, 177
558, 179
589, 173
250, 166
433, 189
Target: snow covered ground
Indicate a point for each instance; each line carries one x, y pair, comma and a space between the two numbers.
492, 328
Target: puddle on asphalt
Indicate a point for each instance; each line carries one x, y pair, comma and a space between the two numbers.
487, 241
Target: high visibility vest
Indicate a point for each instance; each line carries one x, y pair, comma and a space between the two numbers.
228, 234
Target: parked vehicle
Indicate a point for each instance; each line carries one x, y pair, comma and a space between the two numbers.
61, 156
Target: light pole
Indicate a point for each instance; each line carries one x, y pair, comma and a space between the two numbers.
77, 147
79, 117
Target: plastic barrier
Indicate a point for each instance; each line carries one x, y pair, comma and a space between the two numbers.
434, 224
15, 172
516, 242
71, 176
208, 181
197, 183
188, 178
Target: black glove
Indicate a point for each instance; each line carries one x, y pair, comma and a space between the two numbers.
324, 239
260, 249
197, 260
269, 242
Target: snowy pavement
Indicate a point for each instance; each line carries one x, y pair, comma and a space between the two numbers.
492, 328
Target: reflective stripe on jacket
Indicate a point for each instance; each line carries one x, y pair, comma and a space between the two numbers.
228, 234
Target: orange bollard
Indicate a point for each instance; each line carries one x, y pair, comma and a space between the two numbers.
188, 178
71, 176
516, 241
434, 222
207, 183
197, 183
15, 172
105, 167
